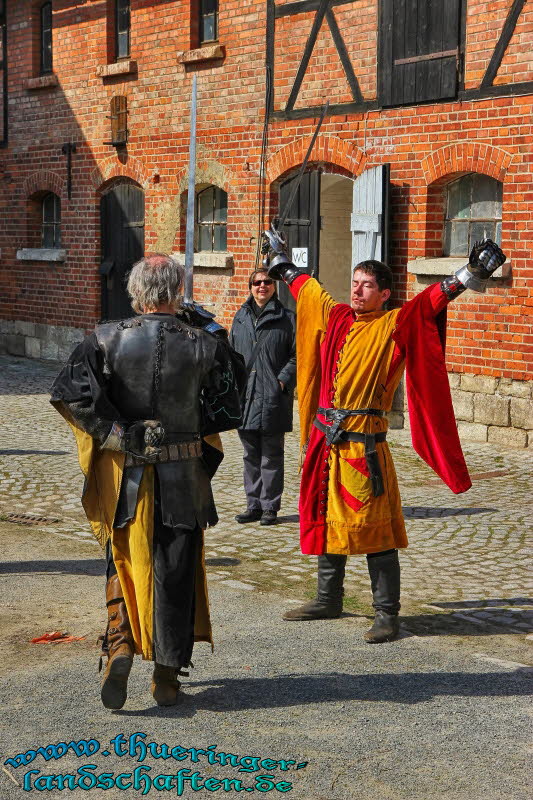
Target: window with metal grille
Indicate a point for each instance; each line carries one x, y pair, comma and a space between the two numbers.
473, 212
211, 219
119, 120
51, 221
3, 73
208, 21
122, 28
46, 38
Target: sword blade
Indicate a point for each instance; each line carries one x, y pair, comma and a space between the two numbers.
189, 233
298, 180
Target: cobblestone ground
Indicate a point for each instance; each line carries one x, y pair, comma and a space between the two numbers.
468, 557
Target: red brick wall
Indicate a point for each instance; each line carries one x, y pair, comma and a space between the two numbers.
426, 146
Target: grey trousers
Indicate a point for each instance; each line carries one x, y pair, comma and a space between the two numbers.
263, 469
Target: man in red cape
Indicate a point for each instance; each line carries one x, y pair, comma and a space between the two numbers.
350, 360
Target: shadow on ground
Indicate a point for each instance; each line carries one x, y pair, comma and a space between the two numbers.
91, 566
241, 694
428, 512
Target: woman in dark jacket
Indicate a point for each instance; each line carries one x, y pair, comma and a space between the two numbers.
263, 331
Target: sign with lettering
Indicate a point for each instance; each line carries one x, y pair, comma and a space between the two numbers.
299, 257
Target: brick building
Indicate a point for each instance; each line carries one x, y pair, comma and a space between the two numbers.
427, 144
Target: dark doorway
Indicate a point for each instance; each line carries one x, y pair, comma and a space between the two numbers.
302, 227
122, 230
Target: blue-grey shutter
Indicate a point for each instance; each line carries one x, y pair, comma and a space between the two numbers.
370, 213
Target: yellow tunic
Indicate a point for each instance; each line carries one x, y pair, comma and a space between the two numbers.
354, 521
132, 544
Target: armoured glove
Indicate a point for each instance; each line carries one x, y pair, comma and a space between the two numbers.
276, 260
485, 257
199, 317
141, 439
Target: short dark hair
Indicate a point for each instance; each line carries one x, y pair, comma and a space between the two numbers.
262, 271
380, 271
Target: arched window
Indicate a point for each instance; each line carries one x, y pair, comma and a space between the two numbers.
211, 219
46, 39
473, 212
51, 221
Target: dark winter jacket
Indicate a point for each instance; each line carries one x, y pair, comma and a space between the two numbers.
266, 406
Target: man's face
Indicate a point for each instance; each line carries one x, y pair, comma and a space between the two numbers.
366, 296
262, 288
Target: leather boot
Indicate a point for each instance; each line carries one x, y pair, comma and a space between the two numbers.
384, 570
328, 602
117, 645
165, 685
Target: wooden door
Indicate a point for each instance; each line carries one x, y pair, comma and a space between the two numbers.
122, 232
370, 215
302, 227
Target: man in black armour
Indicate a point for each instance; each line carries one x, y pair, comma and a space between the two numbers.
146, 398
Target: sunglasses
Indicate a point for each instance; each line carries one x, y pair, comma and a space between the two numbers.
266, 281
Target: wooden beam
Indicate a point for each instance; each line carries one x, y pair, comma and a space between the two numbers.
309, 45
504, 89
344, 57
333, 111
303, 6
503, 41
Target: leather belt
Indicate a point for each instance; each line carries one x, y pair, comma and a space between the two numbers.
334, 434
168, 452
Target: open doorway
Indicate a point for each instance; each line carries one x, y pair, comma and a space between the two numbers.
334, 272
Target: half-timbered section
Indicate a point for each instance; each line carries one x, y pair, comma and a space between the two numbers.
426, 145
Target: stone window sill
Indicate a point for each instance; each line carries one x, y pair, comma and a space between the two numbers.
41, 254
42, 82
447, 266
209, 260
126, 67
212, 52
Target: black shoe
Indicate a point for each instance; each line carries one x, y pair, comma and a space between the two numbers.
315, 609
385, 628
269, 518
251, 515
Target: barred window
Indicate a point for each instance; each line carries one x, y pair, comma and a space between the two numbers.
473, 212
46, 38
51, 220
122, 28
211, 219
208, 21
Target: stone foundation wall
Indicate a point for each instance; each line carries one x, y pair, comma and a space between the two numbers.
35, 340
487, 409
498, 410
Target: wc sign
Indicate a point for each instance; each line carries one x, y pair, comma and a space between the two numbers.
299, 257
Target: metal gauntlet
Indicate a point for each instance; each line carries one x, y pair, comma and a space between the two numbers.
142, 439
276, 260
485, 258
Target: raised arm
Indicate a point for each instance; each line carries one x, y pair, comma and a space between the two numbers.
318, 303
485, 258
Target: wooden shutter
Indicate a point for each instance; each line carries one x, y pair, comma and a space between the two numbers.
119, 120
419, 50
370, 213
